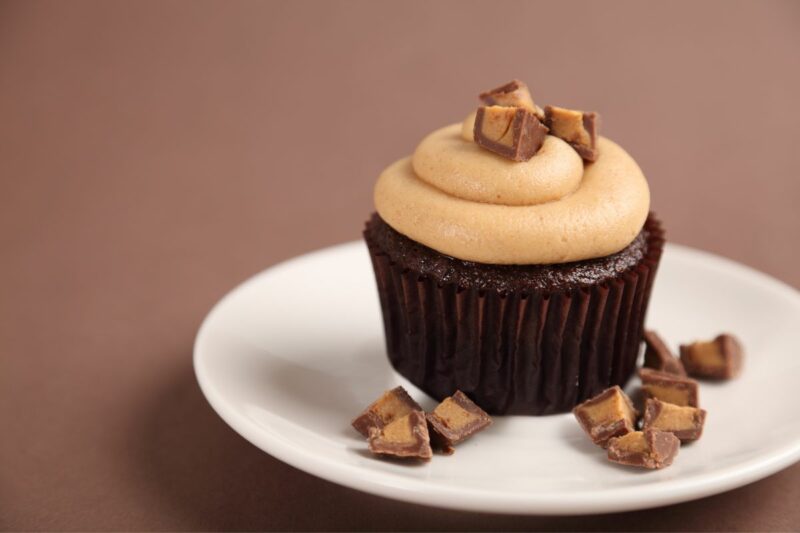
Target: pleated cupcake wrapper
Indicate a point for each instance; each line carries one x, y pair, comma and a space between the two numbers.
515, 353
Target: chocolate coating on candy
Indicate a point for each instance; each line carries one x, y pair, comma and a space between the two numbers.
609, 414
669, 388
454, 420
392, 404
406, 437
512, 132
513, 94
647, 449
502, 278
658, 357
578, 128
718, 359
686, 423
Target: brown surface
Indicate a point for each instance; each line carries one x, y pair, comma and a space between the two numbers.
151, 158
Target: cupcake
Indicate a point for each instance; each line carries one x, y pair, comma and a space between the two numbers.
514, 255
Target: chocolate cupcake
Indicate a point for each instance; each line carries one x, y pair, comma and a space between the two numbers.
518, 275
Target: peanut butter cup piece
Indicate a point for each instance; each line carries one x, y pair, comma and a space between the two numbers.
512, 132
686, 423
607, 415
392, 404
658, 357
650, 448
677, 390
513, 94
454, 420
718, 359
578, 128
406, 437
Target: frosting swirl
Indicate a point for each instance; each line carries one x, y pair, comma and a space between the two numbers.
468, 203
462, 169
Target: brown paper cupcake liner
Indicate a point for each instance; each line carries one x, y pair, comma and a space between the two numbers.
528, 353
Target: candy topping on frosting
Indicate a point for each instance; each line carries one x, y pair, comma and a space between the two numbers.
460, 199
579, 129
511, 125
512, 94
513, 132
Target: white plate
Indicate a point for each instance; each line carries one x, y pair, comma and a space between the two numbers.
292, 355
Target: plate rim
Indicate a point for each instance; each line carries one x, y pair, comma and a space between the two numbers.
418, 491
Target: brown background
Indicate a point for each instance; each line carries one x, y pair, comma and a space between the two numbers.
153, 155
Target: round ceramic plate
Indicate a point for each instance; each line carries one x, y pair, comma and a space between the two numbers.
292, 355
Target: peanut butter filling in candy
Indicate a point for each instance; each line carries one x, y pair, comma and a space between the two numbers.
677, 390
718, 359
578, 128
512, 132
513, 94
454, 420
686, 423
607, 415
650, 448
658, 357
392, 405
405, 437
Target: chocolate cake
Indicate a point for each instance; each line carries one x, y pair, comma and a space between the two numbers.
518, 339
501, 278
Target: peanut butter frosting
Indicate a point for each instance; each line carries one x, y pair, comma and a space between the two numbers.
474, 205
